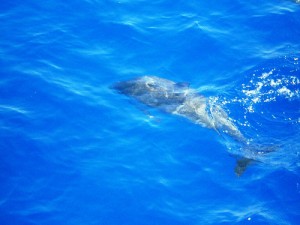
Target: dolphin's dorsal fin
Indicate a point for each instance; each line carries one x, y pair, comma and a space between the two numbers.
183, 84
241, 165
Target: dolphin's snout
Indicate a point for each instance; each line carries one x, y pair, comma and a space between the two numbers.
115, 86
119, 86
123, 87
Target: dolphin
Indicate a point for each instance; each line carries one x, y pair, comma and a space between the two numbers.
179, 99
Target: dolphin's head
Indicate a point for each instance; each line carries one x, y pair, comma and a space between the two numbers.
153, 91
140, 86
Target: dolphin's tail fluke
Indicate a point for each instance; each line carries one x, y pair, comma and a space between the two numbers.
241, 165
243, 162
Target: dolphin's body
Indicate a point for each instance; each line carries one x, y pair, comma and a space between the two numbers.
179, 99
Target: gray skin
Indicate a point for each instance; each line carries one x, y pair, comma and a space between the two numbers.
179, 99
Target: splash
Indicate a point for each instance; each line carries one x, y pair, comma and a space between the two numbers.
269, 87
274, 90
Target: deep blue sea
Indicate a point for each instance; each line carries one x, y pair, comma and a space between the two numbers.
74, 151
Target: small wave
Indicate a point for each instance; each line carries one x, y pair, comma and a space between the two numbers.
266, 108
15, 109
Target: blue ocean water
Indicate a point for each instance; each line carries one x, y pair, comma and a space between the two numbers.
74, 151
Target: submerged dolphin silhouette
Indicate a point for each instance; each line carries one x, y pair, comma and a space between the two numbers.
179, 99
